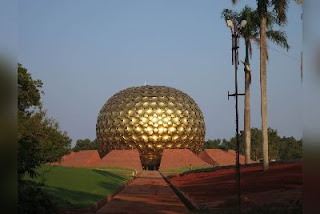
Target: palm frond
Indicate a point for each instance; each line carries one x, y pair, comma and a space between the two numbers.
280, 8
252, 18
262, 6
251, 32
271, 19
228, 14
278, 37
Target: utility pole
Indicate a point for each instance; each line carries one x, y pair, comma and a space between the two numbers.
235, 61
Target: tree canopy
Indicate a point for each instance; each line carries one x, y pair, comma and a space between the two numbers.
251, 31
280, 148
85, 144
40, 141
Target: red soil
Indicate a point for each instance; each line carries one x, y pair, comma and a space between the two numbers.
176, 158
86, 158
129, 159
219, 157
280, 185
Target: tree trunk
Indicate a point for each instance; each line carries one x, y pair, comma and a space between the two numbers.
263, 86
247, 104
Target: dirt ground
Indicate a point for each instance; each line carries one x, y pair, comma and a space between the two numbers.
280, 186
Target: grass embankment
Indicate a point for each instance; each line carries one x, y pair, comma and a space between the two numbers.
77, 187
183, 169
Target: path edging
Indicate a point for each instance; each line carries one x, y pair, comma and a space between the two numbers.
190, 204
212, 169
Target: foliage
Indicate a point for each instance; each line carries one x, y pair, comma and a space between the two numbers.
280, 148
39, 138
215, 144
252, 29
29, 93
270, 13
77, 187
55, 143
39, 141
290, 148
85, 144
29, 123
34, 199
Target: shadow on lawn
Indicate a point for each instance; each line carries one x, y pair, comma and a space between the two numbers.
110, 175
113, 181
65, 198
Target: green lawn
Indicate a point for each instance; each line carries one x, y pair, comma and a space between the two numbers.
77, 187
183, 169
116, 170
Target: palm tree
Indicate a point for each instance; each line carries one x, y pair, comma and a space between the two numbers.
279, 11
279, 8
251, 33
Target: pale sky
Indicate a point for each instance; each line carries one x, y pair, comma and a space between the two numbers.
86, 51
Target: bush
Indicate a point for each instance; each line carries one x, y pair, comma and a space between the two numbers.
32, 199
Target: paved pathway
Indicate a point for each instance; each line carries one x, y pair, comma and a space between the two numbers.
149, 193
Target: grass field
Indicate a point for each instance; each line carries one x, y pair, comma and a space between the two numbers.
75, 187
183, 169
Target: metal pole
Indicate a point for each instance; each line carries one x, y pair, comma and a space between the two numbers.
237, 120
235, 62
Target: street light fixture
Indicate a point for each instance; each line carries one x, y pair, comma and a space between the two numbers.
243, 23
235, 31
229, 23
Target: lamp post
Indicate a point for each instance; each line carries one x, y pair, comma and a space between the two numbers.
235, 32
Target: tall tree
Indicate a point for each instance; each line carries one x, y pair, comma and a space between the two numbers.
279, 17
290, 148
39, 141
29, 122
279, 8
250, 33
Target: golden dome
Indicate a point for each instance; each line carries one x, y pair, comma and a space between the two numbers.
150, 119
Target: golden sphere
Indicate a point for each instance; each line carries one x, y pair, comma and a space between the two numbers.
150, 119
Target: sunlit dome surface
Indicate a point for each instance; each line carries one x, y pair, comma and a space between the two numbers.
150, 119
